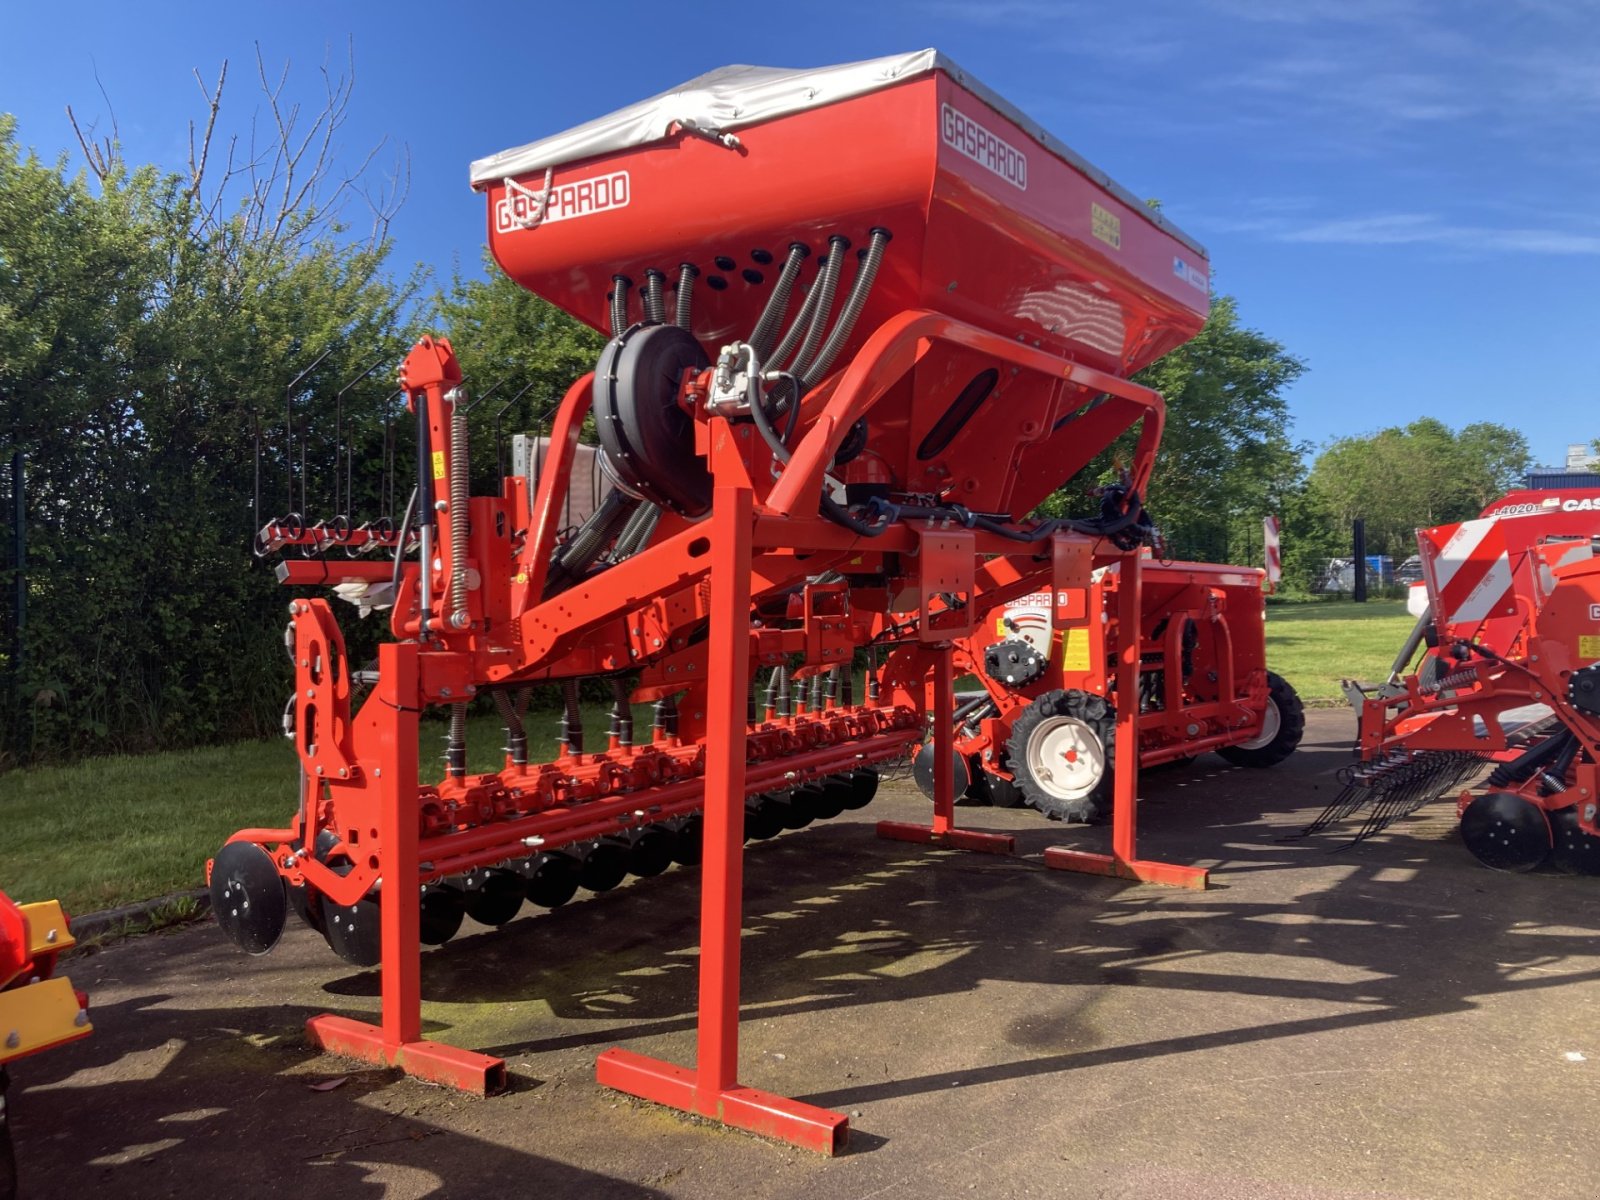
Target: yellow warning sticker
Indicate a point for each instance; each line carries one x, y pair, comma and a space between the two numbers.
438, 464
1075, 650
1588, 646
1106, 226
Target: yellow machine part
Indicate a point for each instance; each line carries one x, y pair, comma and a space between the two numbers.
39, 1015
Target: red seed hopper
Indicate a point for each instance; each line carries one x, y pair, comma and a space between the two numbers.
994, 222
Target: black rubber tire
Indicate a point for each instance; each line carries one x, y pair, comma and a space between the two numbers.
1291, 728
1089, 710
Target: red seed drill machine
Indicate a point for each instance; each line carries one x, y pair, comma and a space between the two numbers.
863, 320
1506, 697
1040, 731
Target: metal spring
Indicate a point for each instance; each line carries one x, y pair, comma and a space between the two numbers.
460, 477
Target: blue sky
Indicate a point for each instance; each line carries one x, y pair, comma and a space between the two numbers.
1406, 193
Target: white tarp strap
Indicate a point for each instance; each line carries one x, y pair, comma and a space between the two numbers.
531, 215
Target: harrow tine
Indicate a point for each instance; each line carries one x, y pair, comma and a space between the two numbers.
1393, 789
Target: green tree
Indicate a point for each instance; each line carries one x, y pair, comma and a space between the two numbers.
511, 340
1401, 479
149, 321
1226, 457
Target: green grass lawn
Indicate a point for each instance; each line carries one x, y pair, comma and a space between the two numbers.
110, 831
1314, 646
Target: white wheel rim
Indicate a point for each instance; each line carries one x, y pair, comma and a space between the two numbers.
1271, 722
1066, 758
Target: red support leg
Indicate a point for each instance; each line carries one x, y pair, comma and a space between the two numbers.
1123, 862
711, 1089
943, 831
397, 1041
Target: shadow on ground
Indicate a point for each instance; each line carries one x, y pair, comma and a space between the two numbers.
197, 1071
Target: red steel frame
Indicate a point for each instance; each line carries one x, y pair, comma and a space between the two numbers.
711, 1088
397, 1040
742, 526
1110, 302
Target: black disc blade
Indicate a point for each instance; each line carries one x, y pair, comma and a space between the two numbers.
307, 905
826, 797
690, 847
863, 787
247, 896
497, 897
443, 906
922, 771
651, 852
1576, 852
1506, 832
353, 931
791, 809
761, 819
553, 880
604, 867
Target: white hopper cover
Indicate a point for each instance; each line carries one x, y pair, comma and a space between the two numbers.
730, 98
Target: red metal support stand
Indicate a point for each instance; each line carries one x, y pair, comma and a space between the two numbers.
1123, 861
398, 1041
711, 1088
943, 831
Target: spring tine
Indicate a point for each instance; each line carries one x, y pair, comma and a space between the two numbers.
1395, 787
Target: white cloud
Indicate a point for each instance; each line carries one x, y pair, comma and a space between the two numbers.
1411, 229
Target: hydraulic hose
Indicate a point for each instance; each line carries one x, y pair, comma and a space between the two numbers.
619, 304
604, 524
624, 711
655, 307
866, 273
1529, 761
571, 717
840, 515
637, 531
516, 732
685, 299
778, 303
455, 754
459, 480
827, 283
797, 327
400, 542
1554, 780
